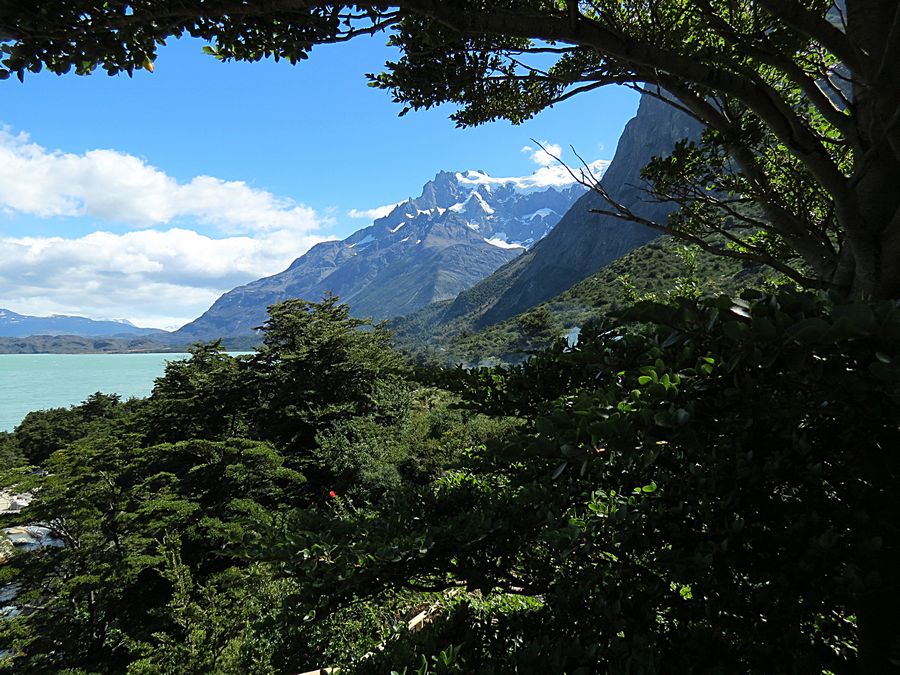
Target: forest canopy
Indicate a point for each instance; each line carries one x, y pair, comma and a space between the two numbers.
701, 486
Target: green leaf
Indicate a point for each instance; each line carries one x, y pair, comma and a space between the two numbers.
734, 330
860, 316
740, 311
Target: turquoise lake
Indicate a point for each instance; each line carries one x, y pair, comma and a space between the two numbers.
38, 381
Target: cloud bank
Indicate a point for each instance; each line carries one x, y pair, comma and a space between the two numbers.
551, 173
554, 170
153, 278
162, 273
122, 188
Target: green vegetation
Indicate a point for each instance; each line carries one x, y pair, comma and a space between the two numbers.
660, 270
702, 485
167, 506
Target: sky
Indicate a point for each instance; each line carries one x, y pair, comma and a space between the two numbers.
146, 198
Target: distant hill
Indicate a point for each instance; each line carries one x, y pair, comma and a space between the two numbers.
22, 325
77, 344
461, 228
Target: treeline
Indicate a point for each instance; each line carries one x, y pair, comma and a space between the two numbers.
700, 486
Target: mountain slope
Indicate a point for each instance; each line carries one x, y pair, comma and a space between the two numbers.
659, 268
460, 229
582, 242
23, 325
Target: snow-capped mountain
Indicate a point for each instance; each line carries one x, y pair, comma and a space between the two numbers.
461, 228
22, 325
505, 212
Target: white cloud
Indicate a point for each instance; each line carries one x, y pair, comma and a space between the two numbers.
122, 188
547, 155
158, 278
162, 274
373, 214
546, 176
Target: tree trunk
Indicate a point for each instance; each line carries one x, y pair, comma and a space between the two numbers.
878, 621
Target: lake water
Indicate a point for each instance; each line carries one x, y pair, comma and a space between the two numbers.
38, 381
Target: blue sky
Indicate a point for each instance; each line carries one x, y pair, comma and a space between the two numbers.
146, 197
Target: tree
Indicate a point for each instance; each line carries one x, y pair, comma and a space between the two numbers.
800, 161
317, 366
43, 432
152, 559
199, 397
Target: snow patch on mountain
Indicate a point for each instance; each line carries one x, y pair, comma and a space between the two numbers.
502, 243
368, 239
483, 204
541, 213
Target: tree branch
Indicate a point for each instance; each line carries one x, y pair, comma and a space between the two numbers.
817, 28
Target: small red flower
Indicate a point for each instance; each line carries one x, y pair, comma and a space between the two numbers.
332, 494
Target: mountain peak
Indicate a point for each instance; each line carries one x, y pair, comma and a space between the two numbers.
518, 211
425, 249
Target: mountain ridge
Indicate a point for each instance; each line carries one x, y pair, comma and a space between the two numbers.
15, 325
462, 227
582, 242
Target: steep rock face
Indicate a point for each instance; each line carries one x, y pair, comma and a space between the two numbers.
460, 229
583, 242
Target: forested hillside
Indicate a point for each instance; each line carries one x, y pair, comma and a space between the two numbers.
658, 270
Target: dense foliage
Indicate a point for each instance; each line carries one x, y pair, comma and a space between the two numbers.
161, 504
699, 486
